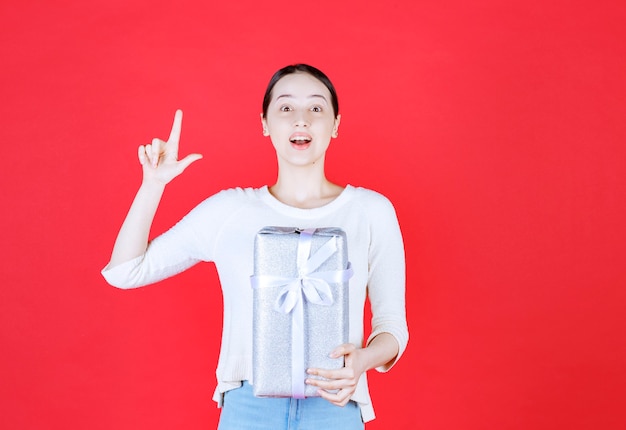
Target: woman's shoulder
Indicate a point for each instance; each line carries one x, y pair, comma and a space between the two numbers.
373, 206
369, 197
244, 193
230, 199
236, 194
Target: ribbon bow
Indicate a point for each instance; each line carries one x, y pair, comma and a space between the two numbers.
309, 284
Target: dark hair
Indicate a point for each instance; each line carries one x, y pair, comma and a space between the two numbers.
302, 68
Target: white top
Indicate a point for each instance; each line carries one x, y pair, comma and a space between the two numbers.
222, 229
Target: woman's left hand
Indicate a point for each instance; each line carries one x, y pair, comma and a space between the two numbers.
345, 379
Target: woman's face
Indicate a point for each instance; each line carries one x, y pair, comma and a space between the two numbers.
300, 119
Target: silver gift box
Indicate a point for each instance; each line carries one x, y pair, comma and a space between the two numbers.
278, 337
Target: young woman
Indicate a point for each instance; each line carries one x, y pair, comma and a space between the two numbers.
301, 116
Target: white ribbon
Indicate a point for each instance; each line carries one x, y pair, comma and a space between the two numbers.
310, 284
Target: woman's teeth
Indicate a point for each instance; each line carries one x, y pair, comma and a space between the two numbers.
300, 139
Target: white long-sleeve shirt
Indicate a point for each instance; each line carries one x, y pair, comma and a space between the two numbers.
222, 229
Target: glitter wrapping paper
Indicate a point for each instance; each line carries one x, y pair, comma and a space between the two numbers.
279, 253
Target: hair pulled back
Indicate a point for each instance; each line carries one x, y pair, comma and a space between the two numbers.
300, 68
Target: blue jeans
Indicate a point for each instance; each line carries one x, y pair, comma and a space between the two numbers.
241, 410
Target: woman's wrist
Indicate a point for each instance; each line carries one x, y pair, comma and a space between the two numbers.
381, 350
152, 187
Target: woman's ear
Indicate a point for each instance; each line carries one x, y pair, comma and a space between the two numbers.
264, 125
336, 126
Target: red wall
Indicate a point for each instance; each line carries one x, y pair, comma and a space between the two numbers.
496, 128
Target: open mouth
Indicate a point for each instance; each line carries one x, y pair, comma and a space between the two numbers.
300, 140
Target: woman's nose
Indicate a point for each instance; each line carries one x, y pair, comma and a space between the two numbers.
301, 119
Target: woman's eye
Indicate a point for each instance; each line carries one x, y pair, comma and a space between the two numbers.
285, 109
316, 109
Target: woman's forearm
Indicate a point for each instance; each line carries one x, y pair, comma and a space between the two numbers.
132, 239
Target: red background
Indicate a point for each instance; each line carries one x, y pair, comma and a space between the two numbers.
496, 128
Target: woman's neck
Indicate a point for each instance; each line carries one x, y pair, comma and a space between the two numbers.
304, 188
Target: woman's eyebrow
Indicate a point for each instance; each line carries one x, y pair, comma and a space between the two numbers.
318, 95
291, 96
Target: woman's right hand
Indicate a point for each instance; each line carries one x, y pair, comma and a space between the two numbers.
160, 165
159, 160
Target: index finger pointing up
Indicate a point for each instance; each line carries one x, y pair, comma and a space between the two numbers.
175, 133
